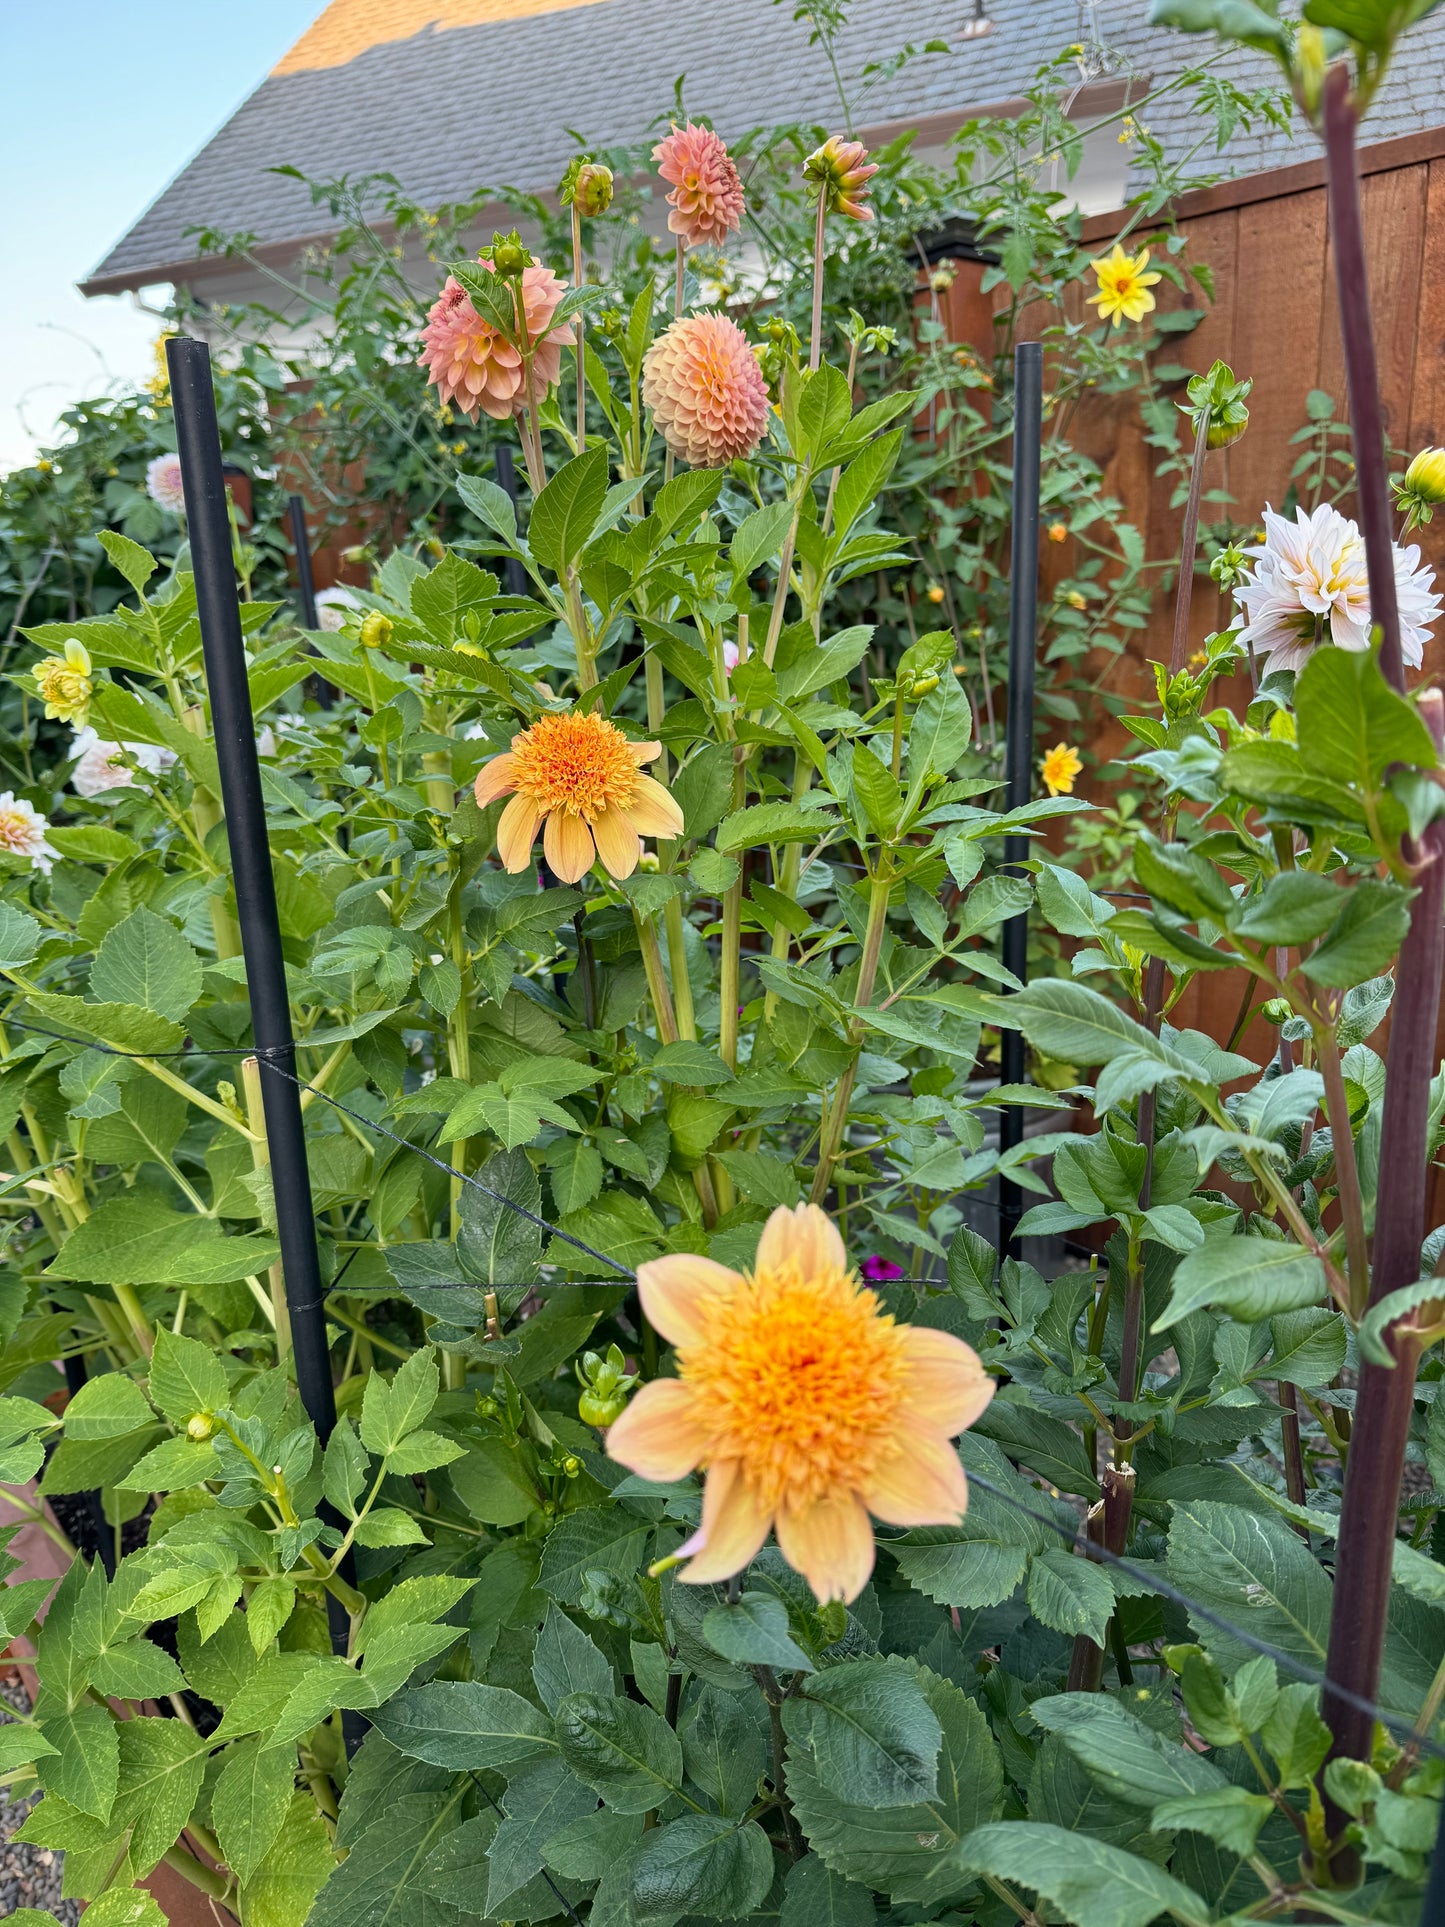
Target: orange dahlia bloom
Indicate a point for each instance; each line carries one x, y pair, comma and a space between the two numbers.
806, 1403
704, 386
707, 195
580, 780
473, 366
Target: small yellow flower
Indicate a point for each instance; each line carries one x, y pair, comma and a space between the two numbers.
1058, 532
807, 1406
935, 592
578, 779
1060, 767
1123, 286
64, 684
1076, 599
45, 467
1200, 659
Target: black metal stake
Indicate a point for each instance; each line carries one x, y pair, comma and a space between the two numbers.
234, 729
317, 687
1023, 622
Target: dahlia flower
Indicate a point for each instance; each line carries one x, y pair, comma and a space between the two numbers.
22, 833
807, 1405
579, 779
840, 170
1060, 767
704, 386
98, 766
163, 483
473, 366
707, 195
1123, 286
64, 684
1309, 584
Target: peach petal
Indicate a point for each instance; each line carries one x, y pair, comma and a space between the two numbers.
568, 846
652, 812
831, 1543
617, 842
494, 779
734, 1525
806, 1236
516, 833
948, 1389
644, 753
659, 1436
678, 1291
921, 1485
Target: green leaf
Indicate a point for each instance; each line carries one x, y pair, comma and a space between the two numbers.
1249, 1568
1228, 1814
84, 1769
626, 1752
1075, 1024
940, 732
1071, 1595
465, 1725
136, 564
1091, 1883
538, 1804
186, 1378
283, 1887
1293, 908
495, 1244
126, 1906
909, 1852
1351, 724
860, 483
818, 665
20, 936
877, 791
1364, 937
146, 961
250, 1803
137, 1239
870, 1732
390, 1412
106, 1408
172, 1466
723, 1750
754, 1632
566, 1661
1249, 1278
565, 513
135, 1669
701, 1864
1121, 1754
1308, 1347
126, 1027
490, 504
771, 823
759, 537
380, 1883
815, 1896
594, 1539
688, 1063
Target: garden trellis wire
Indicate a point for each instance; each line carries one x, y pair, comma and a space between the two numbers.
1099, 1554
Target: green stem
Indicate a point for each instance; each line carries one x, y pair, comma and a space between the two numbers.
837, 1120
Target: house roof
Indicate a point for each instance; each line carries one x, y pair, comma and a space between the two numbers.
449, 95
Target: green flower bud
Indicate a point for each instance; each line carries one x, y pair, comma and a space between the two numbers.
200, 1427
375, 630
1278, 1010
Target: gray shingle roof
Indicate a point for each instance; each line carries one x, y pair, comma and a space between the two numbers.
449, 109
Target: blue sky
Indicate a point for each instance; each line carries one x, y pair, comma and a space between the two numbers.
101, 102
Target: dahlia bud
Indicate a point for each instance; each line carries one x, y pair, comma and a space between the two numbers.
509, 257
1423, 488
587, 186
1218, 398
375, 630
1058, 532
935, 592
1278, 1010
840, 171
355, 557
1228, 566
200, 1427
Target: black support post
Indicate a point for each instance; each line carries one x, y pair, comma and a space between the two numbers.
1023, 621
234, 731
305, 580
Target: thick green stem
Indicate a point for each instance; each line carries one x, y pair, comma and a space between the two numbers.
261, 1161
730, 985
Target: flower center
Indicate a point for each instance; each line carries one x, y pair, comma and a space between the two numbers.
577, 764
801, 1380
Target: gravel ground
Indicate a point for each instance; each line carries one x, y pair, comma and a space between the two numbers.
29, 1876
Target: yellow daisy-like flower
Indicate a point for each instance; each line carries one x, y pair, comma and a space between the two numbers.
64, 684
1123, 286
579, 780
1060, 767
808, 1406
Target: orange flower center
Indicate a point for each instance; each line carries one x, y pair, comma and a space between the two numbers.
578, 764
801, 1380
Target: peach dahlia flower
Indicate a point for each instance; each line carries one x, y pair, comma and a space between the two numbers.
473, 366
580, 780
808, 1406
707, 195
704, 386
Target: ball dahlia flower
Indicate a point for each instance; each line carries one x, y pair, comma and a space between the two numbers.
704, 386
807, 1405
707, 195
578, 779
163, 483
22, 833
473, 366
1309, 584
98, 766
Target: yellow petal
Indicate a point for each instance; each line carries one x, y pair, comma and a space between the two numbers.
807, 1236
494, 779
644, 752
516, 833
617, 842
921, 1485
947, 1386
831, 1544
658, 1436
568, 844
678, 1290
652, 812
734, 1525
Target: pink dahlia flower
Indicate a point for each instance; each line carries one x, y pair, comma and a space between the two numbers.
703, 384
22, 833
163, 483
707, 195
1309, 584
474, 367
